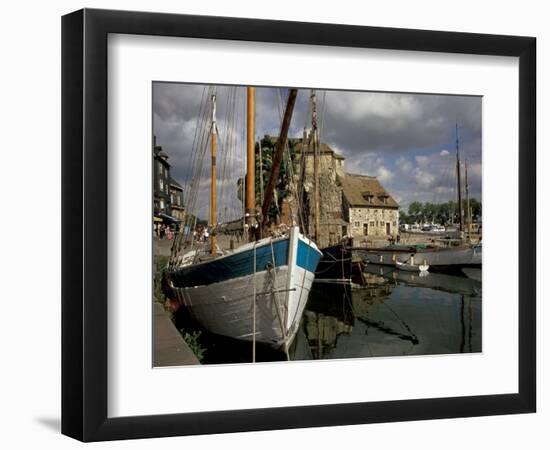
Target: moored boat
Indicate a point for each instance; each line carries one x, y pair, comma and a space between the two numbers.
258, 291
337, 261
219, 293
439, 258
336, 264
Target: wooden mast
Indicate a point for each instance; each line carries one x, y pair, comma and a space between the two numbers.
459, 190
213, 218
250, 202
468, 211
316, 155
261, 171
278, 155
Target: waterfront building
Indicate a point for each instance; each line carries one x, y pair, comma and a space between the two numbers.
332, 224
351, 205
368, 207
176, 200
167, 192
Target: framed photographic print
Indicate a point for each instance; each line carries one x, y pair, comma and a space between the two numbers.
271, 224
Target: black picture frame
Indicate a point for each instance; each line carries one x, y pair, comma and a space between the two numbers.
84, 224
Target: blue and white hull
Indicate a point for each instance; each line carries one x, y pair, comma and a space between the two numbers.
277, 272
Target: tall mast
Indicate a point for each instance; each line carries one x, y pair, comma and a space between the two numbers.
261, 171
459, 190
213, 218
250, 205
278, 154
468, 215
315, 142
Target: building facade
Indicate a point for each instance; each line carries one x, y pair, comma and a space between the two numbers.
176, 200
332, 224
351, 205
167, 192
370, 210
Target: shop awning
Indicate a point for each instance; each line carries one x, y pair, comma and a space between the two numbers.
167, 219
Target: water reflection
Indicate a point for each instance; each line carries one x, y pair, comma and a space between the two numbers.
395, 313
324, 321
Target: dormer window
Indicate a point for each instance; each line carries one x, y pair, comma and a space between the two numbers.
369, 198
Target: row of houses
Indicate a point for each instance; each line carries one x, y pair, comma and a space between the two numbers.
167, 192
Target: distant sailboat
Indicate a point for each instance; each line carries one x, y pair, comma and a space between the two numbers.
258, 291
438, 258
336, 264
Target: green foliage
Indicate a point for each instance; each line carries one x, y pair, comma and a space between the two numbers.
160, 264
443, 213
268, 144
192, 340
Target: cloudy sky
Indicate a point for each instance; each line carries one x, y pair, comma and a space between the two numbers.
406, 140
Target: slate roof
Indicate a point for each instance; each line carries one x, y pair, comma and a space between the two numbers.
366, 191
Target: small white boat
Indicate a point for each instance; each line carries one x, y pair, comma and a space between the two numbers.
412, 267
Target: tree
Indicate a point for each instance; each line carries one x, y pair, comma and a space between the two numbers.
415, 211
268, 144
443, 213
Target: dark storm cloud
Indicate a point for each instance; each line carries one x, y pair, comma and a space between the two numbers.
406, 140
398, 122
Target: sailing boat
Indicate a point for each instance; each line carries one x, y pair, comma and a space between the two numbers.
258, 291
336, 264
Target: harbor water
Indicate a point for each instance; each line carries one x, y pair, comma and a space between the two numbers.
395, 313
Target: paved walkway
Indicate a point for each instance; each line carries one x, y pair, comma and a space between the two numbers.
169, 347
162, 247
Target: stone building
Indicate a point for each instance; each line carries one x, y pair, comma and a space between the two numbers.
370, 210
333, 226
350, 205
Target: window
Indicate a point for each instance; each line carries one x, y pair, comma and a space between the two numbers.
357, 224
161, 184
368, 197
365, 229
372, 224
161, 204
